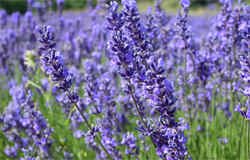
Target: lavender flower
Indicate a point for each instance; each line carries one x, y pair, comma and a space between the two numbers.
52, 64
21, 116
185, 3
130, 141
245, 78
3, 18
16, 19
244, 110
245, 74
41, 10
60, 4
165, 135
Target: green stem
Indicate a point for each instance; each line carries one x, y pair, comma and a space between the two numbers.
241, 131
89, 127
185, 88
247, 139
83, 117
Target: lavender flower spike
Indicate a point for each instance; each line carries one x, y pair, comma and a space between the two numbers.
52, 64
245, 74
147, 70
245, 90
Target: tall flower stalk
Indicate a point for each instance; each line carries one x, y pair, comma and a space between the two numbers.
52, 64
143, 71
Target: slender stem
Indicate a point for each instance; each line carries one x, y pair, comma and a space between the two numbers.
247, 139
242, 127
89, 127
92, 99
88, 124
140, 115
185, 87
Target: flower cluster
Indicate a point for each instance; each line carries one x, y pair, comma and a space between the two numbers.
53, 65
146, 70
25, 126
245, 74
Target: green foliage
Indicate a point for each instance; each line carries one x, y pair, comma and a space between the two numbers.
5, 98
21, 5
75, 4
14, 5
203, 2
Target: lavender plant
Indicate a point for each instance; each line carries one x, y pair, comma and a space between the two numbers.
25, 126
118, 80
166, 135
52, 64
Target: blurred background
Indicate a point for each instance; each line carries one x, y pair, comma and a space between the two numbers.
170, 5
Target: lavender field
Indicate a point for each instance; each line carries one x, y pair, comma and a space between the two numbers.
113, 82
